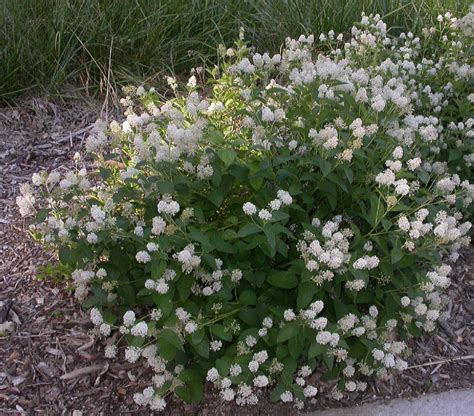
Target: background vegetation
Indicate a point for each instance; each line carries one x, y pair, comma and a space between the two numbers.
54, 45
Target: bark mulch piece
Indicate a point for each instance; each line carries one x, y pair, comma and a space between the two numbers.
50, 364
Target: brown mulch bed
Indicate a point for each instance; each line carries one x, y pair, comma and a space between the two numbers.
51, 365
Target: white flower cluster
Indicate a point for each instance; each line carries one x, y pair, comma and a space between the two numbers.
283, 199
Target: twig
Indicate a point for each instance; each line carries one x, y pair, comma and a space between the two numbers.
449, 360
74, 134
93, 368
81, 371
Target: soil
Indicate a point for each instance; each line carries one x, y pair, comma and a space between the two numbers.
51, 365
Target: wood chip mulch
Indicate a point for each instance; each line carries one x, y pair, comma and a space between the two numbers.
49, 364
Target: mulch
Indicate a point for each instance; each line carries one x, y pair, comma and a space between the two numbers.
51, 365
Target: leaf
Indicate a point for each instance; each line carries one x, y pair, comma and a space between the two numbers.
172, 338
295, 346
315, 350
193, 391
249, 316
248, 298
306, 291
68, 256
376, 210
325, 167
328, 360
216, 136
166, 349
277, 391
203, 347
270, 237
284, 280
202, 238
396, 255
184, 286
216, 198
219, 331
227, 156
248, 229
223, 365
256, 182
287, 332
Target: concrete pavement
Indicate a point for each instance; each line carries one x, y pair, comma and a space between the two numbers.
449, 403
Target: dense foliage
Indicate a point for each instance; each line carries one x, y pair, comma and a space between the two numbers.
292, 214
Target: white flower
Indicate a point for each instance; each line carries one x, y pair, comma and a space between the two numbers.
289, 315
227, 395
191, 327
260, 381
398, 152
385, 178
168, 206
105, 329
129, 318
216, 345
235, 370
249, 208
132, 354
140, 329
267, 322
110, 351
284, 197
310, 391
212, 375
323, 337
96, 316
159, 226
143, 257
286, 397
253, 366
265, 215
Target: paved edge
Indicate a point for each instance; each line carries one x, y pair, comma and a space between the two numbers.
449, 403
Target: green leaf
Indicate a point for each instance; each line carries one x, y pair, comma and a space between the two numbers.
248, 298
306, 291
376, 210
287, 332
284, 280
68, 256
256, 182
220, 332
42, 214
248, 229
184, 286
157, 268
325, 167
277, 391
172, 338
216, 136
328, 360
202, 238
216, 198
166, 349
193, 390
227, 156
249, 316
315, 350
270, 237
396, 255
203, 347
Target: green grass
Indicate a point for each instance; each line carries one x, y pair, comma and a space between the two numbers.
53, 45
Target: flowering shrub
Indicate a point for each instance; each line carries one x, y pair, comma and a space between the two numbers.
295, 216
